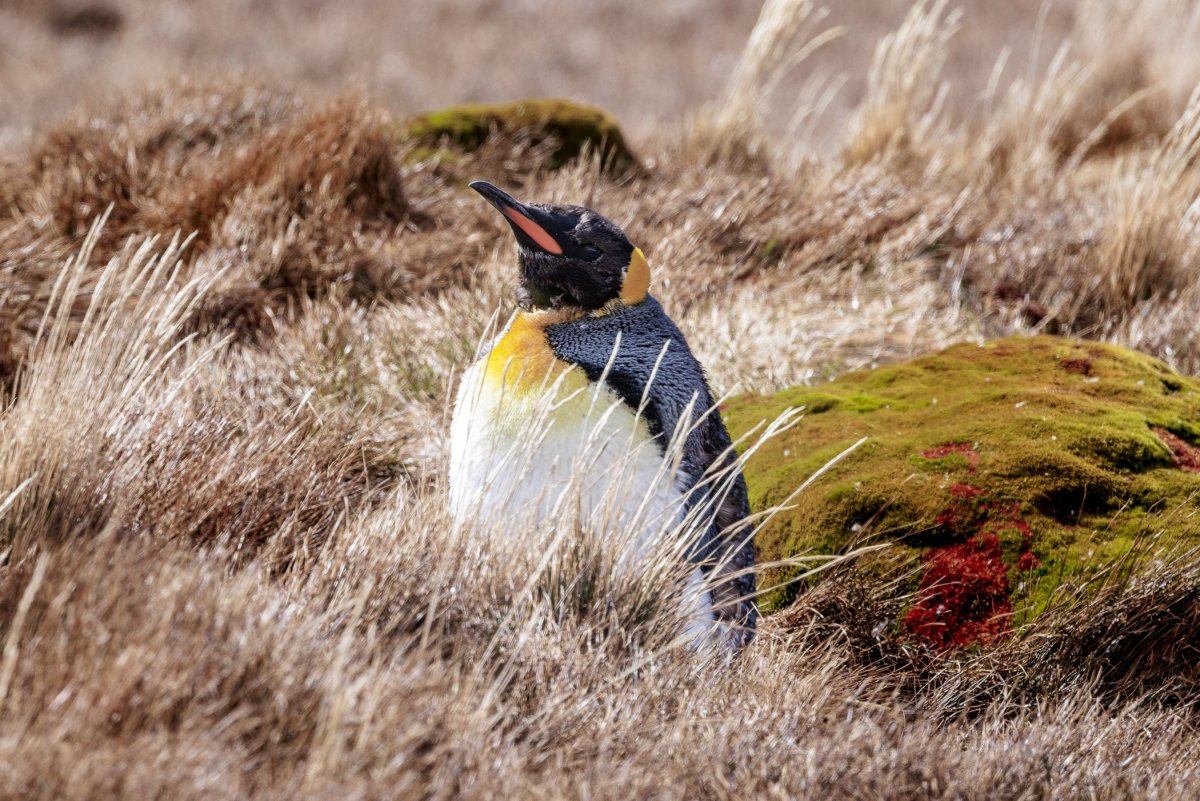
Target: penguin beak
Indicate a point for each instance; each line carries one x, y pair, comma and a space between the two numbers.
533, 227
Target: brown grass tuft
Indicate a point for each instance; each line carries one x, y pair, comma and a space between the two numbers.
285, 203
901, 110
1154, 241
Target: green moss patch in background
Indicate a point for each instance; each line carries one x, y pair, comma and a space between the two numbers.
572, 127
1007, 469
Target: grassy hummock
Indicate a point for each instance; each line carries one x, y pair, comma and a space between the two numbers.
573, 127
1009, 469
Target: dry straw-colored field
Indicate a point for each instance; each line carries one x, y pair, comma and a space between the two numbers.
231, 317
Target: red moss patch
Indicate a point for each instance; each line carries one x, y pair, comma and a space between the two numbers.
1082, 365
950, 448
1183, 455
1028, 561
964, 595
964, 591
961, 515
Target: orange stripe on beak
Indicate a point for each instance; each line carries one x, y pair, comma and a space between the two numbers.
534, 231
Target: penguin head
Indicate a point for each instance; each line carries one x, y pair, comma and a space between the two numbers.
569, 255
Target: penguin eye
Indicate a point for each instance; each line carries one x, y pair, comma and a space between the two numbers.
589, 252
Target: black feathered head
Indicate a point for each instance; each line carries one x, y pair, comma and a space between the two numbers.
569, 255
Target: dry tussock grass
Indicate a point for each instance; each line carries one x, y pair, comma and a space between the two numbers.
649, 64
904, 94
304, 199
228, 569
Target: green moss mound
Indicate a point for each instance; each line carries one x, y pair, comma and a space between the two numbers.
1007, 469
570, 125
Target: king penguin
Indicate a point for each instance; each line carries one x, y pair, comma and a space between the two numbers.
597, 390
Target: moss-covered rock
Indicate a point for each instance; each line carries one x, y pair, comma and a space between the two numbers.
572, 127
1008, 468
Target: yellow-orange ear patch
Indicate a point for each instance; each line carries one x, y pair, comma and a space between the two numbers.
534, 231
636, 285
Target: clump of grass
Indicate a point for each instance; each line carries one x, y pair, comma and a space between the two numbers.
124, 420
786, 33
900, 113
282, 201
1152, 246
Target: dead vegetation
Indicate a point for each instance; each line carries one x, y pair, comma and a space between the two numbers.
228, 570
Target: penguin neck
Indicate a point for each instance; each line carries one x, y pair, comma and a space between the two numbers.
553, 315
533, 300
543, 317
